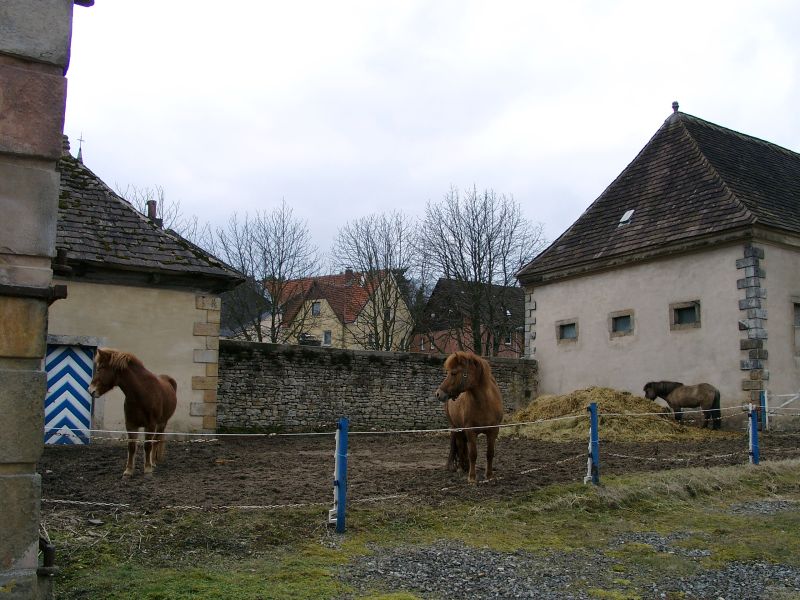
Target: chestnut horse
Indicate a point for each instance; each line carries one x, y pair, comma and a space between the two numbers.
149, 401
471, 400
679, 396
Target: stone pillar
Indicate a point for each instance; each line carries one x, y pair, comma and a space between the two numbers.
34, 55
206, 332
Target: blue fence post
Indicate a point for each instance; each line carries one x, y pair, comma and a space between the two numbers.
753, 436
762, 401
594, 447
337, 513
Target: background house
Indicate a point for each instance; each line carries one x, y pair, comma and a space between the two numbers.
446, 323
133, 286
352, 310
687, 267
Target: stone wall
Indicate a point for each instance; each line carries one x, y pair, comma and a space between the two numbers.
270, 387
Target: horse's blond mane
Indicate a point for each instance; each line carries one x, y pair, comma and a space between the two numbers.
118, 359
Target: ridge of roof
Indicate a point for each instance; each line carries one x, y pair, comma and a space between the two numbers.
693, 179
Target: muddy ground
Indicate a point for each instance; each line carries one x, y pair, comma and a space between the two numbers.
266, 471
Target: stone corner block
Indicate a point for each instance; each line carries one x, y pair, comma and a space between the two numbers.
22, 396
42, 34
24, 326
206, 302
32, 103
206, 328
202, 409
29, 197
206, 356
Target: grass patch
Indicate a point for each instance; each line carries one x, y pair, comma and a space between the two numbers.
290, 553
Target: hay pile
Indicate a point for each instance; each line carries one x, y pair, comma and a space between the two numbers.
650, 428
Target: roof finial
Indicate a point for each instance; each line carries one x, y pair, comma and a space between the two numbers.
80, 148
675, 106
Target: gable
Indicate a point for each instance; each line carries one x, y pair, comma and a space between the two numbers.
693, 182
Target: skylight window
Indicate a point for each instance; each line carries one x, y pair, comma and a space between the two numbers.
626, 218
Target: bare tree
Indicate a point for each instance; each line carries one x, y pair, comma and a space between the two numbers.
479, 239
380, 247
272, 249
169, 212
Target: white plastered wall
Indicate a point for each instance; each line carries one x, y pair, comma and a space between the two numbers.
654, 352
156, 325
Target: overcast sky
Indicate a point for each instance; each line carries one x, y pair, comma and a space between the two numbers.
349, 108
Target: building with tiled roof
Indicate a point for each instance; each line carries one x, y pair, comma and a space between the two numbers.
446, 321
135, 286
348, 310
685, 268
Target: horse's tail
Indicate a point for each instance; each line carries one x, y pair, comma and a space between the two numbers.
716, 413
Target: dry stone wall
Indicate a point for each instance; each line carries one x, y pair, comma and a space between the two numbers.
270, 387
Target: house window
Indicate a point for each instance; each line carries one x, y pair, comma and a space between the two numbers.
315, 309
796, 308
684, 315
620, 323
326, 337
507, 341
567, 331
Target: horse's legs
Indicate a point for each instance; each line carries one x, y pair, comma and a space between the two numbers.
133, 437
149, 440
452, 459
491, 437
678, 414
472, 453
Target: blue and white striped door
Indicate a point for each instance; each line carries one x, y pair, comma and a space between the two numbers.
68, 405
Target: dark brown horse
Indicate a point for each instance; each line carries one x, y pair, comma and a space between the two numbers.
679, 396
471, 400
149, 401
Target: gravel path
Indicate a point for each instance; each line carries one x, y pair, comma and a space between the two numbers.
448, 570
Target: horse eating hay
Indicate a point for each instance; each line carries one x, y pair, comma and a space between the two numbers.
150, 401
471, 400
679, 396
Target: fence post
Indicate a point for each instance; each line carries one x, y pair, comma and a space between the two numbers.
762, 399
593, 467
337, 513
753, 435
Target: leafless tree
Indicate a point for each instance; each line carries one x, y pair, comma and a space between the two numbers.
168, 211
272, 249
381, 248
479, 239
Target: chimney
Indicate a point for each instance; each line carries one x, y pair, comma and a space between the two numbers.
152, 211
348, 276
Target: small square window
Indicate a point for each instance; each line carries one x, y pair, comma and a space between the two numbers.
567, 331
315, 309
620, 323
684, 315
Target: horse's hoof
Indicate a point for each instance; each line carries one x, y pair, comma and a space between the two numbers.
126, 474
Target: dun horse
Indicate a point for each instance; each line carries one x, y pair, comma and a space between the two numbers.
471, 400
679, 396
149, 401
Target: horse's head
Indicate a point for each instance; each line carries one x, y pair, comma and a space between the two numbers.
463, 370
106, 368
650, 390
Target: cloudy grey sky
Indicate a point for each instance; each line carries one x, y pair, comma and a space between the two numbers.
350, 108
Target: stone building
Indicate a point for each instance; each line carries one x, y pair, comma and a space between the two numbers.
135, 286
686, 268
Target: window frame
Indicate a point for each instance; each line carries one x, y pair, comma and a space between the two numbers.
613, 316
327, 337
673, 314
560, 329
316, 308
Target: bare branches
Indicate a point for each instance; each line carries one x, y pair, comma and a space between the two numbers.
480, 240
271, 249
381, 248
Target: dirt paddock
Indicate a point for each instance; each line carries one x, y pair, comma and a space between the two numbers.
267, 471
